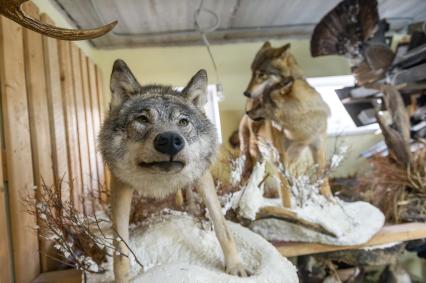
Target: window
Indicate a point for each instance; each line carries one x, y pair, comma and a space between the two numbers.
212, 109
339, 122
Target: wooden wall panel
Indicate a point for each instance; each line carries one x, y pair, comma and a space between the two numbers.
81, 125
38, 117
18, 150
90, 128
5, 241
102, 112
68, 98
99, 82
94, 103
56, 113
51, 105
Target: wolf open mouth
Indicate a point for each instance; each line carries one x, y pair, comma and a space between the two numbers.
164, 166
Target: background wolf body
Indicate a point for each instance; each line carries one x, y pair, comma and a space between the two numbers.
287, 98
157, 140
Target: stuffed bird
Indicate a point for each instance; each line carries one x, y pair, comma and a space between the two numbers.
353, 29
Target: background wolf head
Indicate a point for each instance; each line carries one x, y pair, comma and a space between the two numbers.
157, 139
266, 106
270, 66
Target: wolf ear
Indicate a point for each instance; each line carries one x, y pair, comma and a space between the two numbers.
123, 83
282, 51
267, 44
196, 90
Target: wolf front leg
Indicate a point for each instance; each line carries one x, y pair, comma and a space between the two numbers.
246, 137
318, 153
121, 199
233, 263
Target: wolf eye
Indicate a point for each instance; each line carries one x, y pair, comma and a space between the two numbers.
263, 76
183, 122
142, 119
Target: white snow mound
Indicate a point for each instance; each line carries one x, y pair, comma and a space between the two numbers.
179, 248
353, 223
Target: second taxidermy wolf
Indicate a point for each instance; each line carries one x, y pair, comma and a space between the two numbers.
157, 140
284, 96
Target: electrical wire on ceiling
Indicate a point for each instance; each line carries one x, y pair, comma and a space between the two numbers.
204, 31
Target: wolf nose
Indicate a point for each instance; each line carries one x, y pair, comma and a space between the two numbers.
169, 143
247, 94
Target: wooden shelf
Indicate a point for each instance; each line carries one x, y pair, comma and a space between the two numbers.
388, 234
63, 276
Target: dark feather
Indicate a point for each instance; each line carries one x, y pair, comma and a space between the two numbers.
345, 29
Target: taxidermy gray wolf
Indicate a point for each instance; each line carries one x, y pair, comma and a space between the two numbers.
157, 140
284, 96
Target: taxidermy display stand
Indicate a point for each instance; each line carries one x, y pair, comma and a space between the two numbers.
306, 209
302, 213
176, 247
311, 217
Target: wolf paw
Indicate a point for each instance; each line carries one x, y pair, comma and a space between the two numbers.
237, 270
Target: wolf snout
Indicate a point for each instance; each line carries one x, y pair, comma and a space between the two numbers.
247, 94
169, 143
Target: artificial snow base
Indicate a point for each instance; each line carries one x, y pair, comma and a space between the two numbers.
178, 248
353, 223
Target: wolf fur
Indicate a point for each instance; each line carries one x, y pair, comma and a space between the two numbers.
128, 139
285, 97
265, 73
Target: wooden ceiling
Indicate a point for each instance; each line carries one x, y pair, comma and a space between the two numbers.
165, 23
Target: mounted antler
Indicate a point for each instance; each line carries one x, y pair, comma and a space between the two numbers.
12, 10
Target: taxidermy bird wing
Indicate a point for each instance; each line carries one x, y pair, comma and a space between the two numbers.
345, 29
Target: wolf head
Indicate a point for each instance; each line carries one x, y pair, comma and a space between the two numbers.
157, 139
275, 95
269, 67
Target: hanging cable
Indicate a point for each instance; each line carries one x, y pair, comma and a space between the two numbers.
203, 31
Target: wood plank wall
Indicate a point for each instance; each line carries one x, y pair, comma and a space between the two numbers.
51, 109
39, 122
5, 241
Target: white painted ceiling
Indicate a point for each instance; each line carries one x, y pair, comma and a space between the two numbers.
167, 22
